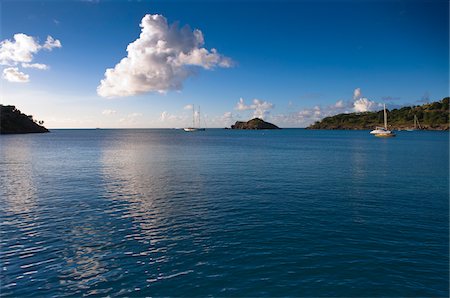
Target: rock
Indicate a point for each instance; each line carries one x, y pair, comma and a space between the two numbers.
255, 123
13, 121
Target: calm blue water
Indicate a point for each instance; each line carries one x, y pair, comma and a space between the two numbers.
224, 213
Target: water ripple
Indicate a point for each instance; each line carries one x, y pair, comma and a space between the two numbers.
162, 213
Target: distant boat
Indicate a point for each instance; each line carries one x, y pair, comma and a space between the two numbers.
195, 127
416, 124
383, 132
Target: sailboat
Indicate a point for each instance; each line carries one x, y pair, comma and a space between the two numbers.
416, 124
194, 126
383, 132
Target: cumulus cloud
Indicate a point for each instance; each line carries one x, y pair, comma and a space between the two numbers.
188, 107
108, 112
159, 60
12, 74
362, 104
21, 50
23, 47
259, 107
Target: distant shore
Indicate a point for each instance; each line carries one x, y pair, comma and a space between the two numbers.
431, 116
13, 121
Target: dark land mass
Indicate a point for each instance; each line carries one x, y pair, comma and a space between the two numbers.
13, 121
431, 116
255, 123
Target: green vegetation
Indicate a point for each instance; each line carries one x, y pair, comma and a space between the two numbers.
255, 123
432, 116
13, 121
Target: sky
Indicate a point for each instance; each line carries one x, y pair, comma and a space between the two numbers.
145, 64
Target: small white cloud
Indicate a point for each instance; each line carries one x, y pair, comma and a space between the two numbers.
260, 108
159, 60
188, 107
357, 94
35, 65
108, 112
12, 74
51, 43
173, 119
241, 106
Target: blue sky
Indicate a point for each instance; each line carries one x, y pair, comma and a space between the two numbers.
290, 62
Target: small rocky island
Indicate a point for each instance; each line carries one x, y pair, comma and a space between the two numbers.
255, 123
14, 121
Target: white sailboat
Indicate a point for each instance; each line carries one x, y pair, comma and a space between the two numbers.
195, 127
383, 132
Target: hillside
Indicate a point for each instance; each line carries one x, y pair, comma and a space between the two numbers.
255, 123
13, 121
432, 116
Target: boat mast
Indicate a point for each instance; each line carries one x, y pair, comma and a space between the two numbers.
199, 122
193, 116
385, 117
417, 123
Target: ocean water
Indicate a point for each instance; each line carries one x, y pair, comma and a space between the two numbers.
224, 213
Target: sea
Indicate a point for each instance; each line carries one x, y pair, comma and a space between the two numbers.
162, 212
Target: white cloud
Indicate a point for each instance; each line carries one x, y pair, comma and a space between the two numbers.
362, 104
357, 94
241, 106
260, 108
51, 43
108, 112
22, 50
159, 60
176, 120
23, 47
166, 116
12, 74
35, 65
188, 107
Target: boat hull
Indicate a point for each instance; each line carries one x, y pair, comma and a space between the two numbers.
192, 129
385, 135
